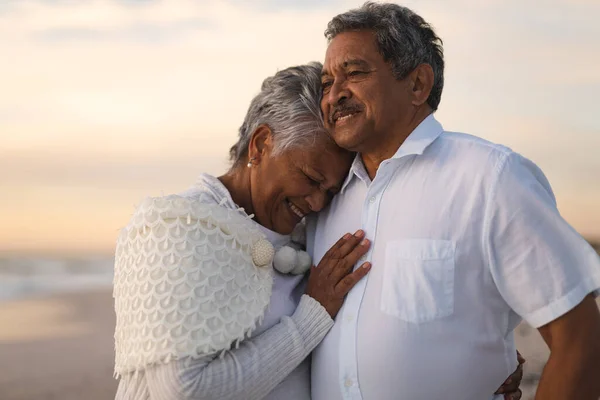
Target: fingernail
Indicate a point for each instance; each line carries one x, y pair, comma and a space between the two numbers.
367, 265
347, 236
364, 242
359, 233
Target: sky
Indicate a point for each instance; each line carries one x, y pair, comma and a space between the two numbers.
105, 102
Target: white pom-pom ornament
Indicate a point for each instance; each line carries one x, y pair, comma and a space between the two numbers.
304, 263
285, 260
288, 260
262, 253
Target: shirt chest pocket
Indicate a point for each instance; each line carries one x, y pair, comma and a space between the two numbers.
418, 281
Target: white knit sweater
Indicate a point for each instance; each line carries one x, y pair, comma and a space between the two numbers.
272, 364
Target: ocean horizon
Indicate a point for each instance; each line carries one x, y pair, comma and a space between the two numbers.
25, 276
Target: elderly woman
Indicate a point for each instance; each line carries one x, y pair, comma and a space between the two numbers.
210, 291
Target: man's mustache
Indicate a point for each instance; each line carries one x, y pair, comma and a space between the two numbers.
344, 108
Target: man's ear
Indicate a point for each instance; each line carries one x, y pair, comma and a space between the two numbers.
261, 144
422, 83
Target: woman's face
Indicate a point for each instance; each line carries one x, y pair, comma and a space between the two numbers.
288, 186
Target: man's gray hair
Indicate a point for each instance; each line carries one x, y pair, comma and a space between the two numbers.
404, 39
289, 104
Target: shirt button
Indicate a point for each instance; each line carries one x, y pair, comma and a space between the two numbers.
349, 318
372, 200
348, 382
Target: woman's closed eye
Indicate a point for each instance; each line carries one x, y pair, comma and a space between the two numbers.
330, 193
312, 180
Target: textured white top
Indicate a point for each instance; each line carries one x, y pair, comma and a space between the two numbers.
271, 364
190, 279
467, 240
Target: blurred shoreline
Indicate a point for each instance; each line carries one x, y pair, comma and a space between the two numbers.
31, 276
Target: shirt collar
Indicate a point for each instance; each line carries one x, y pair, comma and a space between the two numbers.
357, 169
415, 144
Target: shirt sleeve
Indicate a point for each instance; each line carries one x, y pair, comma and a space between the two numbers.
250, 371
542, 267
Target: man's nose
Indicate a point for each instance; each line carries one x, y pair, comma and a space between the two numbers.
338, 93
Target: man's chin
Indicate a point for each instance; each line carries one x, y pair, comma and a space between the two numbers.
346, 138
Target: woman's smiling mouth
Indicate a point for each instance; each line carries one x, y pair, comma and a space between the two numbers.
296, 210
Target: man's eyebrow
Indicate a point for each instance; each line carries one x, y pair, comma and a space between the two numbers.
355, 63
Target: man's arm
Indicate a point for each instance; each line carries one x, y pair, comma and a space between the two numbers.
573, 369
544, 269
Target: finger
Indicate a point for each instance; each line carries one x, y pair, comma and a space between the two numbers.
333, 250
340, 248
506, 386
346, 265
514, 381
351, 243
516, 395
520, 358
348, 282
517, 376
503, 388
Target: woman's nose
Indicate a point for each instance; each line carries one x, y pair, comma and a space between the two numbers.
316, 200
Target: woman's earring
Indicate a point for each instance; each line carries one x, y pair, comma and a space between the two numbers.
249, 165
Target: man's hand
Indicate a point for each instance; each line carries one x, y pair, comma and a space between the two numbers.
573, 368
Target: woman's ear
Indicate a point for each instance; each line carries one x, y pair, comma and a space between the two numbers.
261, 144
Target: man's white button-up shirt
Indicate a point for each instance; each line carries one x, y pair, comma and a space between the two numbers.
467, 241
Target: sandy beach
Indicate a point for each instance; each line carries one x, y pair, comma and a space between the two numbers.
61, 348
58, 348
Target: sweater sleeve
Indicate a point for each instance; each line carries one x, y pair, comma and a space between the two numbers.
250, 371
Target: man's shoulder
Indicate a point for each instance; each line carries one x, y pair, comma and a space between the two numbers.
481, 157
472, 143
470, 150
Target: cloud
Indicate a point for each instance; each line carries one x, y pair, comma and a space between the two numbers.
121, 95
139, 33
275, 6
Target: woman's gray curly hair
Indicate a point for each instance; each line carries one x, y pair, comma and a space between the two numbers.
289, 104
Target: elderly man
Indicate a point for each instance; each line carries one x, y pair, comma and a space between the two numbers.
467, 239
